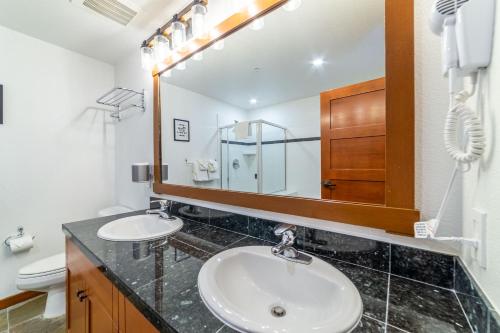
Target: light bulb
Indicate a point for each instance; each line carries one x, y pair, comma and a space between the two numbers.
318, 62
181, 66
253, 101
161, 47
178, 33
219, 45
257, 24
198, 56
167, 73
147, 58
291, 5
198, 20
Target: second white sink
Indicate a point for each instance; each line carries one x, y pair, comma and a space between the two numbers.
252, 290
139, 228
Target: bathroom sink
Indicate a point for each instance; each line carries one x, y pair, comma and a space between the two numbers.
251, 290
139, 228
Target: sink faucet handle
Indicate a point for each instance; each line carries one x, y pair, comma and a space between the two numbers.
284, 227
164, 204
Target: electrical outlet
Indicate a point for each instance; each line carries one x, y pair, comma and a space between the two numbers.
479, 219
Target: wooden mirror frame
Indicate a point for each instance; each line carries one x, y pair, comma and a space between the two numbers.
399, 213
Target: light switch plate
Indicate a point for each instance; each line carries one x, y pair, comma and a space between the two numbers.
479, 221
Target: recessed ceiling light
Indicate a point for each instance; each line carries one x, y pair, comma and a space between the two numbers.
318, 62
253, 101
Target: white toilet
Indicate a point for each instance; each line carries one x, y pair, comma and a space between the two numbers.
49, 275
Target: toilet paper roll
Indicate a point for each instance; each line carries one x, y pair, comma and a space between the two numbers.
21, 244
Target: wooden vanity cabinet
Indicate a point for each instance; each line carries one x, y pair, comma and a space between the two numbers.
94, 304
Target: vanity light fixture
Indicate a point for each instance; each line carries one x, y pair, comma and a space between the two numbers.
147, 60
198, 56
219, 45
198, 19
161, 46
291, 5
178, 32
257, 24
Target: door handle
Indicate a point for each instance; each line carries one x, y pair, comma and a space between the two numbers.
328, 183
81, 295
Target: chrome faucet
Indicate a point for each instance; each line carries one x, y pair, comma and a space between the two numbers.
165, 210
285, 249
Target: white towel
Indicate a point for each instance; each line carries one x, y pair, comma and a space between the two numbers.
199, 171
242, 130
213, 170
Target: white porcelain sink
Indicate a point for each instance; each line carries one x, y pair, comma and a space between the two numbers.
248, 288
139, 228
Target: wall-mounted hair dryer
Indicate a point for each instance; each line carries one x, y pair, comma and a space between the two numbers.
466, 28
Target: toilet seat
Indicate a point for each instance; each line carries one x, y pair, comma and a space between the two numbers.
50, 265
43, 273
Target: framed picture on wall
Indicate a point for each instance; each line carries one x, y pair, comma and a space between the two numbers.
181, 130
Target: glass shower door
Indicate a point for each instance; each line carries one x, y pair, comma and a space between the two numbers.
239, 161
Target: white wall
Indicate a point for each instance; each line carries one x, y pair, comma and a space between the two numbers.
482, 184
433, 165
134, 134
302, 120
56, 157
202, 112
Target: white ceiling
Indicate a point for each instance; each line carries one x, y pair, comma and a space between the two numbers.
348, 34
70, 25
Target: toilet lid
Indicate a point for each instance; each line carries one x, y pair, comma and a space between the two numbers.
47, 265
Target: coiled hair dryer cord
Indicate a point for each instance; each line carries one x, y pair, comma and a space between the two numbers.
472, 129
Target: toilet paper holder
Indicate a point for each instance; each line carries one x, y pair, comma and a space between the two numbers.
20, 233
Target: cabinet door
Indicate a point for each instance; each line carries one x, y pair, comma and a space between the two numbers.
98, 319
99, 292
75, 289
76, 308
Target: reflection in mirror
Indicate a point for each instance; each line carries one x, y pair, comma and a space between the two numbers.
293, 105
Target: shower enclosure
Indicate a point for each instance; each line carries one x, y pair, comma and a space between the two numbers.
256, 163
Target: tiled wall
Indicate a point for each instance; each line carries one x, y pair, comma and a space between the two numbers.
432, 268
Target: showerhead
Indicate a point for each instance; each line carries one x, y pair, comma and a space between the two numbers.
441, 10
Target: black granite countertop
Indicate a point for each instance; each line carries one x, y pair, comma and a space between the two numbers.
162, 284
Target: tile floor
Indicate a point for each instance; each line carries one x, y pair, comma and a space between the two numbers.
27, 318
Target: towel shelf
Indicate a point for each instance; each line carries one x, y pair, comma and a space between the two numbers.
119, 98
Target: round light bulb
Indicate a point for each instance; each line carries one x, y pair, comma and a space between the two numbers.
219, 45
291, 5
147, 58
167, 73
161, 47
198, 20
257, 24
178, 33
181, 66
198, 56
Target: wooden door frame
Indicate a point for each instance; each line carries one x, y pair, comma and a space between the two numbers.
399, 213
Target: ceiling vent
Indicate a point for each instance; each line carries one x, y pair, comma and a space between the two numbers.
117, 11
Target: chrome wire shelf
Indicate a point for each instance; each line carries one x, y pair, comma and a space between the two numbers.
119, 98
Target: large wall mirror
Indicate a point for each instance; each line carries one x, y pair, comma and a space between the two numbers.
293, 108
